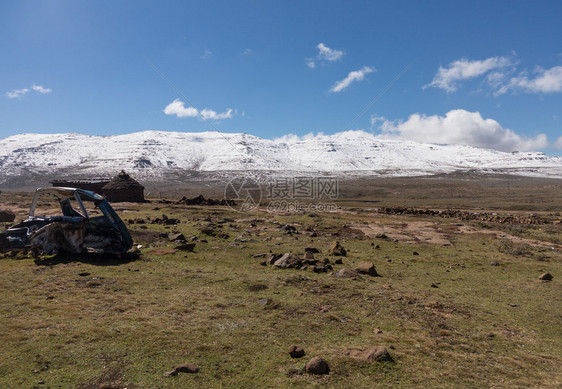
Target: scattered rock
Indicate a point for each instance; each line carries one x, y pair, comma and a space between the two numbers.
288, 229
200, 200
377, 354
308, 255
7, 216
415, 253
296, 351
546, 277
84, 274
346, 273
377, 331
338, 261
494, 263
374, 354
183, 368
287, 261
257, 287
186, 247
366, 267
313, 250
272, 258
176, 237
265, 302
337, 249
434, 285
208, 231
317, 366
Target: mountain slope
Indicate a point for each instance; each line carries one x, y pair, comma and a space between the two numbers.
155, 154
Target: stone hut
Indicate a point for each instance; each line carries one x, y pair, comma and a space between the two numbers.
124, 188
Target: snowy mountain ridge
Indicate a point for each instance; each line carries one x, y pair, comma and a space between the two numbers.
154, 154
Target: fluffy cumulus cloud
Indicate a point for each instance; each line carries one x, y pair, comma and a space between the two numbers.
40, 89
356, 75
558, 144
545, 81
460, 127
447, 78
17, 93
178, 108
325, 54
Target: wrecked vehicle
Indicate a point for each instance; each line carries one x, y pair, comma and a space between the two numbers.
76, 230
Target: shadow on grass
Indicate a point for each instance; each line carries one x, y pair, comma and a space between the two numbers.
89, 258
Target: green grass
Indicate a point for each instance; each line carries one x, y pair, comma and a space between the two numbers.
129, 322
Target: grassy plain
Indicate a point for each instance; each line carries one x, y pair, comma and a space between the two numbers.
448, 316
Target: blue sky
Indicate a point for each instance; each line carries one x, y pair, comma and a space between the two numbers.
475, 72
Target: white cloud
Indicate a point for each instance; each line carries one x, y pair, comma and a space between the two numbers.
546, 81
248, 52
462, 69
207, 54
558, 144
178, 108
462, 127
17, 93
40, 89
327, 54
356, 75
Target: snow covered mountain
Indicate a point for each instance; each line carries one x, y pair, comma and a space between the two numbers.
157, 155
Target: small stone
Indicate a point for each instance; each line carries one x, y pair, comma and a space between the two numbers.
494, 263
176, 237
265, 302
263, 263
546, 277
434, 285
183, 368
308, 255
317, 366
377, 354
366, 267
7, 216
346, 273
415, 253
377, 331
337, 249
187, 368
84, 274
338, 261
296, 351
186, 247
288, 261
